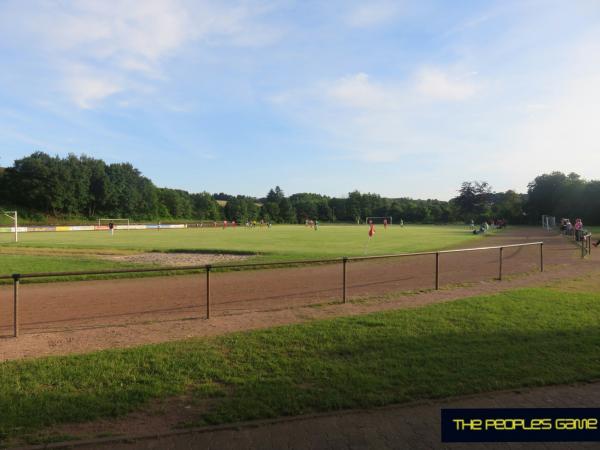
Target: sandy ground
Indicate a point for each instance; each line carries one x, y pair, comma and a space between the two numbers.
177, 259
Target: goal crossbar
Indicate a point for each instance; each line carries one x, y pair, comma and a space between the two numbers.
388, 218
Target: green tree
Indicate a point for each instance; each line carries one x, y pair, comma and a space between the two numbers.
205, 207
474, 200
287, 213
509, 206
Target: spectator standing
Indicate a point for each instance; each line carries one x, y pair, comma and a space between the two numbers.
578, 230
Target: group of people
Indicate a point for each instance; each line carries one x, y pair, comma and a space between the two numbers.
487, 224
314, 224
254, 223
567, 228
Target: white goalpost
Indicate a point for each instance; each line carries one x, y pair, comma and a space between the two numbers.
114, 222
548, 222
380, 219
14, 216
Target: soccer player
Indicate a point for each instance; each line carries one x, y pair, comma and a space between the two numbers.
111, 227
385, 224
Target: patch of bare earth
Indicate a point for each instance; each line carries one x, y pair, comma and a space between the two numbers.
158, 416
177, 259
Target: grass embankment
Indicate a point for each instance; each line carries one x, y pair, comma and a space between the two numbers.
595, 231
521, 338
280, 243
11, 263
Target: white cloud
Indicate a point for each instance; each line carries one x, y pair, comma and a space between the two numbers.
130, 33
439, 85
358, 91
369, 14
556, 128
86, 92
374, 120
563, 135
130, 40
86, 88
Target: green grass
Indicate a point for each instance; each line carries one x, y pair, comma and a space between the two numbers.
15, 263
68, 251
30, 263
528, 337
278, 243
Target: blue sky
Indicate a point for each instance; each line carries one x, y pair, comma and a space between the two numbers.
402, 98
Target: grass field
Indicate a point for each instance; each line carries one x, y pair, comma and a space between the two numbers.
280, 243
11, 263
527, 337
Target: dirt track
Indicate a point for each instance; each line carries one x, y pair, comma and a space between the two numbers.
156, 309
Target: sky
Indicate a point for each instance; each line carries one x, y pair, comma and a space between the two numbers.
401, 98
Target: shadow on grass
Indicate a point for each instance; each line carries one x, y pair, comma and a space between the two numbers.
521, 338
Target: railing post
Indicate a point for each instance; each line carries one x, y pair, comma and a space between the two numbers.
500, 262
208, 267
541, 257
16, 279
583, 248
344, 262
587, 245
437, 271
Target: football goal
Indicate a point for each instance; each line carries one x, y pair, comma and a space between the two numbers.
376, 219
115, 222
14, 222
548, 222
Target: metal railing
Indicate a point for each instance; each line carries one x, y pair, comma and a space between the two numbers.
208, 269
586, 245
582, 239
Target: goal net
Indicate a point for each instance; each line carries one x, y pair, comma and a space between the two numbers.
548, 222
379, 220
9, 224
118, 223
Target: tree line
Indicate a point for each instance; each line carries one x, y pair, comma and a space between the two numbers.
40, 185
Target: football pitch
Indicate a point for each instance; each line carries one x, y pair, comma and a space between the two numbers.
283, 241
57, 251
